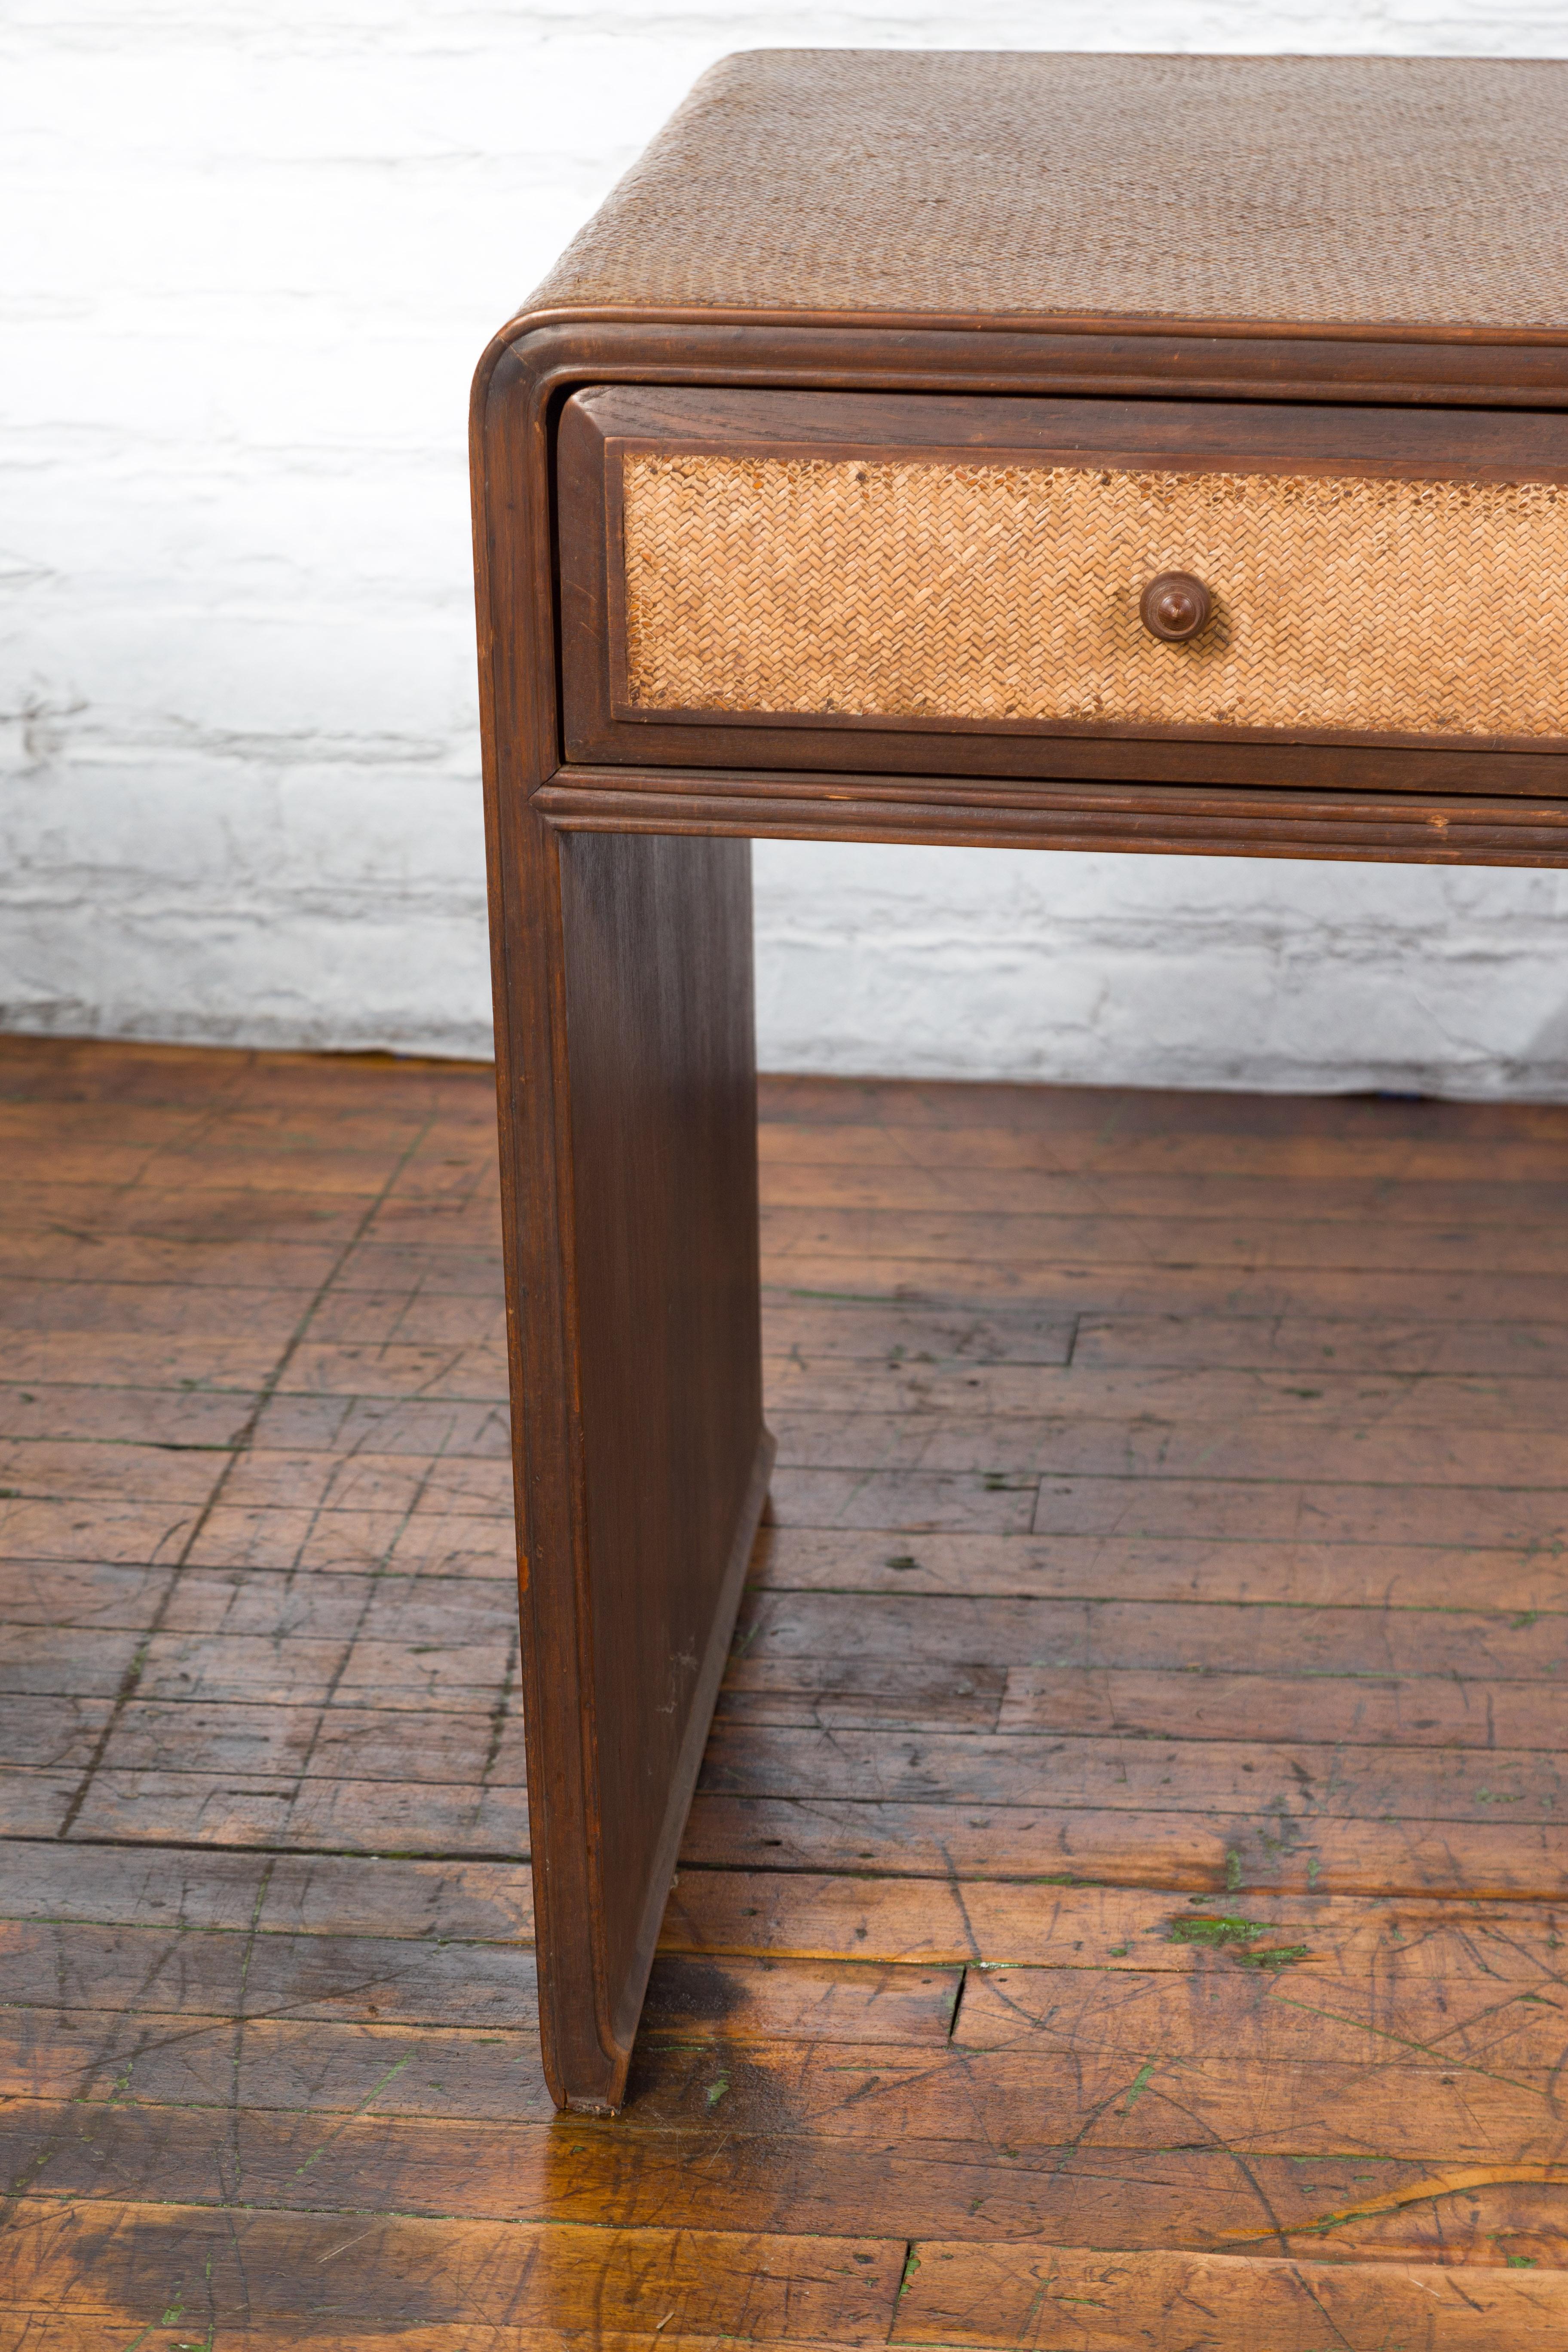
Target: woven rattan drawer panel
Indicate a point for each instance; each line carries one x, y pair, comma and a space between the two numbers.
744, 572
1003, 592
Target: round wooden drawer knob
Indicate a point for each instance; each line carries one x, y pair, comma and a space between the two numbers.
1176, 606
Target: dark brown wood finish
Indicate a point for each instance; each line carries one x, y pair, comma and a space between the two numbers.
1488, 396
641, 1458
625, 1081
538, 361
675, 1459
1166, 820
1176, 606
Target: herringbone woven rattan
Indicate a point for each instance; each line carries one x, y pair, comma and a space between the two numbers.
997, 592
1348, 191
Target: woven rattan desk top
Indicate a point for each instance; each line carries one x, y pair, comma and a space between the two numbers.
1358, 192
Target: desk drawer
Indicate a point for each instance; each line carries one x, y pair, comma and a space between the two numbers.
851, 566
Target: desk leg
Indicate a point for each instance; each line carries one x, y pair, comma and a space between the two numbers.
641, 1455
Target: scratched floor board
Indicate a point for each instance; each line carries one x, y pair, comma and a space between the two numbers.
1124, 1113
1438, 1985
930, 1338
1152, 1131
1288, 1247
871, 1262
1000, 1502
39, 2331
310, 1893
407, 2271
1499, 1645
1213, 1851
1024, 1445
248, 1603
964, 2295
1202, 1703
140, 1972
786, 1915
1000, 1184
308, 1812
1128, 1876
1306, 1781
1307, 1572
520, 2167
1199, 1197
1134, 1397
238, 1700
321, 2026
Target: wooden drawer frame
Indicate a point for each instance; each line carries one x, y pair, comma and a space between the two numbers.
620, 928
604, 429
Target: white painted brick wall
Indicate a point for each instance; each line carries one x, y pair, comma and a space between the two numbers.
254, 248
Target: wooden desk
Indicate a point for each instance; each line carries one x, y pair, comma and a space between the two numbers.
1135, 453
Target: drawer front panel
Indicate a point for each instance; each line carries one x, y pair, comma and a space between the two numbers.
954, 585
986, 592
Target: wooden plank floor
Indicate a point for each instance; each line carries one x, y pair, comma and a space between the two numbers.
1125, 1904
